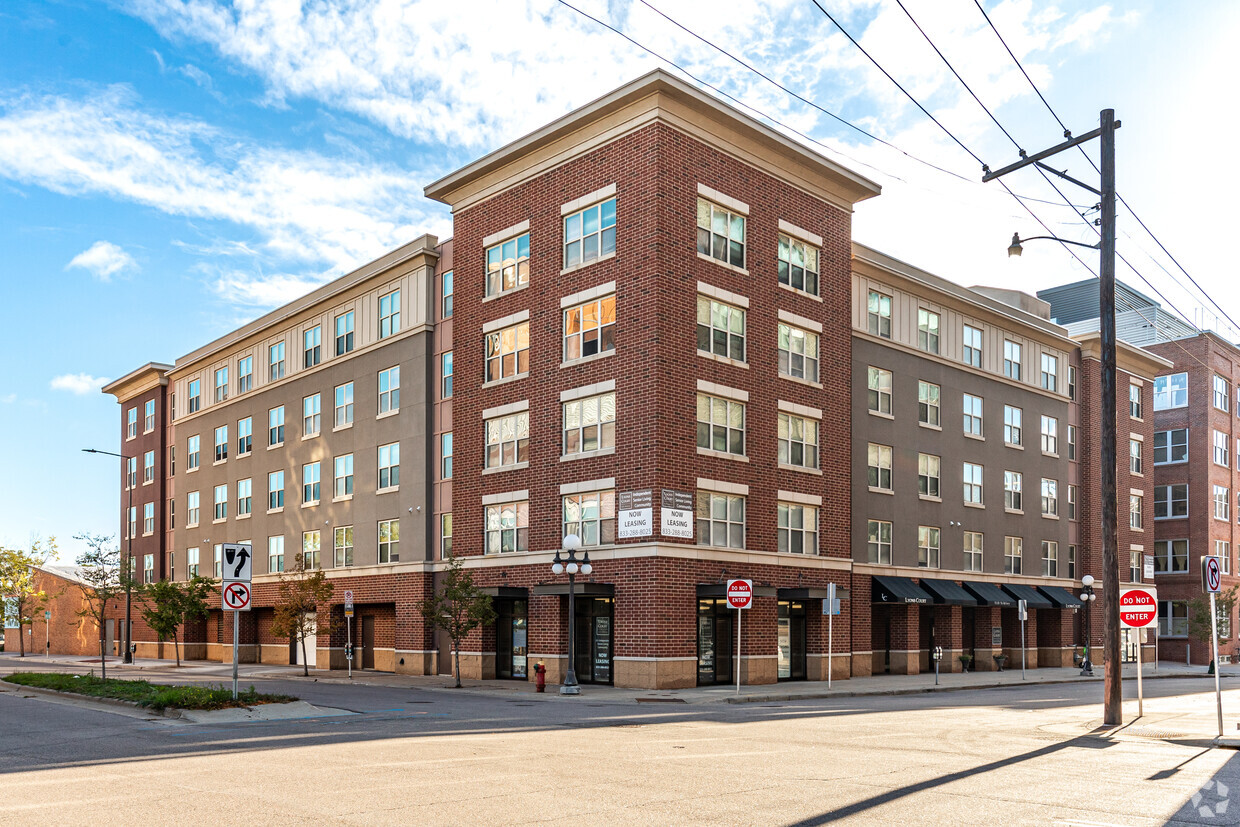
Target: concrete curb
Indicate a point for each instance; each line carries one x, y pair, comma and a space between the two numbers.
146, 711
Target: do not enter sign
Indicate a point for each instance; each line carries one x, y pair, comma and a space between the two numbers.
1138, 608
740, 594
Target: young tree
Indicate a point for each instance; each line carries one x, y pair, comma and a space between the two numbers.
296, 609
100, 571
1199, 627
170, 604
458, 608
17, 584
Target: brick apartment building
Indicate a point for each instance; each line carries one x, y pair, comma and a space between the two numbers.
551, 378
58, 629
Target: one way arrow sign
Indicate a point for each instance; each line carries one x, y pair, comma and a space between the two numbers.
238, 562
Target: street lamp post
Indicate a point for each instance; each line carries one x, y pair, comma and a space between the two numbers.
570, 564
1087, 597
128, 569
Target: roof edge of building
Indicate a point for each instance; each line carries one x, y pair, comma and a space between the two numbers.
138, 381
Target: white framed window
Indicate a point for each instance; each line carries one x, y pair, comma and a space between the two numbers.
389, 465
589, 424
193, 452
192, 509
720, 329
1013, 551
389, 311
344, 405
1050, 372
148, 568
445, 375
1173, 618
311, 415
389, 541
798, 265
1134, 401
195, 395
720, 424
1222, 550
1221, 498
312, 346
1171, 446
344, 333
131, 525
1050, 435
1170, 501
508, 352
928, 330
448, 290
972, 346
1072, 443
928, 475
878, 546
973, 551
1135, 504
389, 389
508, 440
445, 456
720, 520
275, 554
508, 527
972, 409
275, 426
1171, 391
1050, 498
275, 370
131, 472
508, 265
1071, 573
221, 502
191, 562
1013, 419
245, 436
878, 314
221, 384
1071, 501
973, 483
928, 411
590, 234
245, 374
312, 550
798, 441
275, 490
1012, 354
1222, 444
310, 482
343, 546
445, 535
245, 497
148, 421
1134, 456
797, 528
927, 547
798, 353
878, 461
1013, 490
131, 423
221, 443
590, 328
591, 516
1170, 556
148, 467
1050, 558
148, 518
879, 398
1222, 393
344, 476
720, 233
1072, 383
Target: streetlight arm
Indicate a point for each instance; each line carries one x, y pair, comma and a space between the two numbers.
1061, 241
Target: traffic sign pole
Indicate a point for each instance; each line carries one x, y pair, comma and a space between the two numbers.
830, 629
1140, 692
349, 659
740, 613
236, 646
1218, 693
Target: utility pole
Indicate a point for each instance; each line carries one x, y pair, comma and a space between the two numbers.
1112, 686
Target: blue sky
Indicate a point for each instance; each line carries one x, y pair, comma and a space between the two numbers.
185, 165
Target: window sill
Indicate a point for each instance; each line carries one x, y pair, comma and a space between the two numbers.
277, 445
387, 414
243, 456
709, 452
726, 360
148, 533
797, 292
147, 482
391, 489
974, 505
343, 427
1177, 517
148, 431
882, 415
1131, 528
581, 360
1015, 445
1019, 511
245, 516
874, 490
1056, 517
601, 452
503, 293
310, 504
929, 498
219, 462
800, 469
574, 268
725, 265
505, 380
930, 427
978, 437
193, 470
1049, 455
346, 498
314, 435
279, 510
801, 381
220, 520
499, 469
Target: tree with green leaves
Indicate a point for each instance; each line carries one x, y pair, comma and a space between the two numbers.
168, 605
99, 570
1199, 626
297, 606
19, 586
458, 608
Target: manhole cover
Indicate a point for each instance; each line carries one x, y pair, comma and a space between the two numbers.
1149, 732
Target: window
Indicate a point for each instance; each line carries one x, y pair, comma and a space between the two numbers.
508, 352
1071, 501
590, 234
311, 422
1222, 503
311, 549
1013, 548
344, 333
927, 547
797, 528
445, 456
590, 424
1012, 419
1134, 511
878, 546
312, 341
928, 404
275, 426
192, 452
221, 443
389, 311
973, 551
928, 475
275, 490
1050, 558
245, 436
508, 440
389, 541
191, 562
1134, 456
591, 516
132, 528
172, 406
590, 328
1050, 498
798, 441
1171, 446
389, 465
221, 384
879, 463
720, 425
448, 283
275, 367
508, 527
445, 535
344, 476
344, 404
131, 423
195, 395
221, 502
389, 390
972, 483
721, 234
245, 374
217, 557
1072, 383
172, 460
172, 513
344, 546
1170, 501
1134, 401
1011, 360
1072, 442
148, 518
1221, 446
928, 330
1050, 435
798, 265
275, 554
1071, 562
148, 421
1170, 556
131, 472
720, 329
878, 314
1222, 550
1222, 393
148, 467
880, 391
1050, 371
310, 482
798, 353
1013, 484
191, 509
972, 414
720, 520
148, 568
445, 375
1171, 391
1173, 618
972, 354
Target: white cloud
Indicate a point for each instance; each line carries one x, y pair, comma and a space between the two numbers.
251, 290
103, 259
78, 383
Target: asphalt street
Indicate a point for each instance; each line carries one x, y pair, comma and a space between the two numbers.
1025, 755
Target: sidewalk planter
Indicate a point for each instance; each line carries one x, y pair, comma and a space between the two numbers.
965, 660
1000, 662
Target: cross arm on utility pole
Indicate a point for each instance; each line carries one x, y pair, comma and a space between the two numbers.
1046, 153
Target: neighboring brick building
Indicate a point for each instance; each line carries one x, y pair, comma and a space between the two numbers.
62, 631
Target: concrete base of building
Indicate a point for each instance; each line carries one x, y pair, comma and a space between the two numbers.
1013, 658
816, 667
984, 660
274, 653
861, 664
410, 662
655, 673
223, 653
902, 662
1056, 656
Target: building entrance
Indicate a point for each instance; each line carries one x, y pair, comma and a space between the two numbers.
511, 638
594, 639
715, 642
791, 640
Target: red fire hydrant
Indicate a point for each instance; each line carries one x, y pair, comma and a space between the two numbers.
540, 677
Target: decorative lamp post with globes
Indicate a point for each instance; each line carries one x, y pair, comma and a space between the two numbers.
1087, 597
571, 564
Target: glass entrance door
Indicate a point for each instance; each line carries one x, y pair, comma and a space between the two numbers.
511, 638
715, 643
791, 640
594, 639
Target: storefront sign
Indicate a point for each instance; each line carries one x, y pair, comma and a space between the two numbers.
996, 637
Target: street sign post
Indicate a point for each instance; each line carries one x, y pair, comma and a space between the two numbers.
1138, 609
831, 609
238, 570
740, 596
1212, 583
348, 619
1022, 608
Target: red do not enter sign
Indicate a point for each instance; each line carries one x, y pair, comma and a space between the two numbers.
1138, 608
740, 594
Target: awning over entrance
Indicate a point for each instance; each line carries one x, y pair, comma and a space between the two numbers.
583, 589
988, 594
506, 592
896, 590
947, 593
811, 594
1061, 597
720, 590
1034, 598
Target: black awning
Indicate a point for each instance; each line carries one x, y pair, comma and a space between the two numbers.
720, 590
947, 593
583, 589
506, 592
1034, 598
896, 590
1061, 597
988, 594
811, 594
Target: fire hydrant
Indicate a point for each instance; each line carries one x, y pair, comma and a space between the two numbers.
540, 677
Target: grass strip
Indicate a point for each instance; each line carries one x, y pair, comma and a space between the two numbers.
146, 694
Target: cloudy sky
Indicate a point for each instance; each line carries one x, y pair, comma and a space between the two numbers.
172, 168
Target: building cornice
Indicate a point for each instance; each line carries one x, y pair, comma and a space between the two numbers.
137, 382
1128, 358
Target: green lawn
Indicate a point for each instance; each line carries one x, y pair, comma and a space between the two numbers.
151, 695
